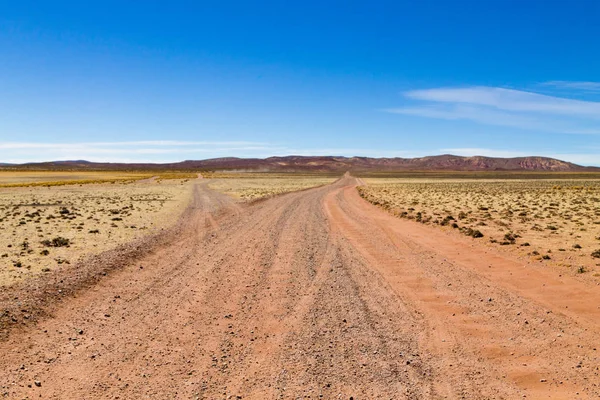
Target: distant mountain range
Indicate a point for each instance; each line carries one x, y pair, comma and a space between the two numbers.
330, 163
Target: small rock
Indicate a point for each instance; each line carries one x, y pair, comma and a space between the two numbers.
38, 383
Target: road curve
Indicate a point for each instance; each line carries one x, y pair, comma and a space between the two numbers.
312, 294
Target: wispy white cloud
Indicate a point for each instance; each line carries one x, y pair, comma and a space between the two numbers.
574, 85
126, 151
509, 99
584, 131
504, 107
170, 151
130, 144
473, 113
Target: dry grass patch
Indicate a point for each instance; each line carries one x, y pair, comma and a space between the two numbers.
43, 227
555, 220
252, 186
61, 178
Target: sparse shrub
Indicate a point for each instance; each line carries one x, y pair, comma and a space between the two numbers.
57, 242
546, 257
446, 220
474, 233
596, 253
576, 246
510, 238
581, 270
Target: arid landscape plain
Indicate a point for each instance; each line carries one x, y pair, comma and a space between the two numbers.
215, 200
308, 284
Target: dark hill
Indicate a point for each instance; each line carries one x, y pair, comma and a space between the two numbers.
329, 163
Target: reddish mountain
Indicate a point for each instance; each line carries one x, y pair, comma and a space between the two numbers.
330, 163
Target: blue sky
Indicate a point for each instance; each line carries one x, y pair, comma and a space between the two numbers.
169, 81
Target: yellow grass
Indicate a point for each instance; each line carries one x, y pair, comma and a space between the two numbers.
252, 186
93, 218
554, 221
61, 178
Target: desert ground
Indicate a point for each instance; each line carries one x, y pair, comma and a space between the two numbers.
276, 287
45, 227
552, 221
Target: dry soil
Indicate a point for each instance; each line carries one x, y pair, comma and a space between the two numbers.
312, 294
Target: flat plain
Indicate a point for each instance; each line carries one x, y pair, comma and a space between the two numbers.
552, 221
55, 218
271, 286
22, 178
253, 186
46, 227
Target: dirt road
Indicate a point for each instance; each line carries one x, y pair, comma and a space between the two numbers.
313, 294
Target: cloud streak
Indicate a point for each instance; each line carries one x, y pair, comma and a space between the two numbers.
472, 113
129, 144
160, 151
574, 85
129, 151
509, 100
504, 107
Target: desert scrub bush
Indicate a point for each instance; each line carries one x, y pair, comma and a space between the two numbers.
58, 241
496, 205
447, 220
510, 238
596, 253
474, 233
